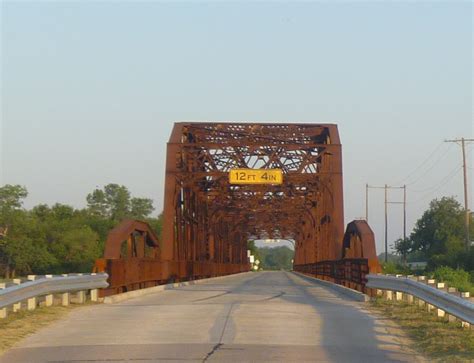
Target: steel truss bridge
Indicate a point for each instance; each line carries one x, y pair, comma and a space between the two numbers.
208, 220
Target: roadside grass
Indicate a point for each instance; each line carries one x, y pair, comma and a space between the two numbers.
436, 338
19, 325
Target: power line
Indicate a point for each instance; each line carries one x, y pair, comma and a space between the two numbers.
442, 156
456, 169
417, 169
439, 188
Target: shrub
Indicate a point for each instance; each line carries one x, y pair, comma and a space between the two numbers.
457, 278
395, 268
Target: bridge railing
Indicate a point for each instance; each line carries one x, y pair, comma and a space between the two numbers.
349, 272
427, 292
20, 294
133, 260
138, 273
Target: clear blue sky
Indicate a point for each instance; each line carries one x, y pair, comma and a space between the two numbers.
90, 90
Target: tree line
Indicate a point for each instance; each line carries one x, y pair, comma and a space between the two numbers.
272, 258
61, 238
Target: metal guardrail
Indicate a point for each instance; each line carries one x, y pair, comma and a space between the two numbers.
49, 285
453, 305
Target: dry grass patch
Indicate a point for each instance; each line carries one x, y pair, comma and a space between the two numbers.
436, 338
23, 323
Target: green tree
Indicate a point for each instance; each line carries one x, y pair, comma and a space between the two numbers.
156, 224
42, 212
439, 224
112, 202
115, 202
97, 204
23, 250
276, 258
11, 197
76, 249
140, 208
402, 247
20, 249
439, 234
118, 200
11, 201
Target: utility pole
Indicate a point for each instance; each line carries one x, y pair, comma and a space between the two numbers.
367, 202
386, 203
404, 212
466, 201
386, 223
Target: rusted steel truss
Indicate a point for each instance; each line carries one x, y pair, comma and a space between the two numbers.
208, 221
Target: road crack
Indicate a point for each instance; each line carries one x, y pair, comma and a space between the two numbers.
220, 344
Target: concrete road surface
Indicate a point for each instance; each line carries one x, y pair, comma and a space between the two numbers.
252, 317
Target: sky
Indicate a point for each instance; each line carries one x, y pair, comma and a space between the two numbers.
90, 91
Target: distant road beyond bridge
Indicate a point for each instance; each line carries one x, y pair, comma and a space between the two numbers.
249, 317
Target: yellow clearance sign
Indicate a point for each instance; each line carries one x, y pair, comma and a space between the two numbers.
256, 176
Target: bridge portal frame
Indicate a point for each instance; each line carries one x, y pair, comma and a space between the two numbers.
311, 158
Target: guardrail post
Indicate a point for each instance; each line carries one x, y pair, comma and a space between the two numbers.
420, 302
398, 296
81, 297
94, 292
95, 295
441, 286
17, 306
3, 311
410, 299
465, 295
31, 302
451, 318
440, 313
49, 299
432, 283
388, 295
452, 291
65, 297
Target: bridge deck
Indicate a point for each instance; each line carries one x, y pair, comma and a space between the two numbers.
268, 316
